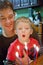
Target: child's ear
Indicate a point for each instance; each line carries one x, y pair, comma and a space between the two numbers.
15, 32
31, 31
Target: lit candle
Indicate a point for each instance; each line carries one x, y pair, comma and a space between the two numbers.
26, 48
36, 50
34, 54
17, 54
18, 47
36, 47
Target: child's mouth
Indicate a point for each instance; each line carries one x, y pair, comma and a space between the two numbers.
23, 35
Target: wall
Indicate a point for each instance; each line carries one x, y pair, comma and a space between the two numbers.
26, 12
22, 12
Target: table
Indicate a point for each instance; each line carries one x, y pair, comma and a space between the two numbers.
39, 61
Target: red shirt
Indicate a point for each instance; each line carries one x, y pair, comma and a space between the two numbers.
17, 47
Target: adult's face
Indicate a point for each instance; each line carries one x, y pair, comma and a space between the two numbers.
7, 19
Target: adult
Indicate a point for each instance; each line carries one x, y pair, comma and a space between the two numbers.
7, 16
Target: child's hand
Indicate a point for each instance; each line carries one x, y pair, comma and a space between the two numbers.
23, 61
18, 61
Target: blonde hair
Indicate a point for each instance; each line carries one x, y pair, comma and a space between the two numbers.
23, 19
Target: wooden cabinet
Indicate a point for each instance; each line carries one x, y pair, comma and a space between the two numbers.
38, 29
42, 34
40, 2
18, 4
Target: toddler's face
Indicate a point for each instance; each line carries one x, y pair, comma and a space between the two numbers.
23, 31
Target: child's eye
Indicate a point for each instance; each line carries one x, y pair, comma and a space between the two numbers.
27, 28
20, 28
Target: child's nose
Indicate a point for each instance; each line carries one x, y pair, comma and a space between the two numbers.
23, 30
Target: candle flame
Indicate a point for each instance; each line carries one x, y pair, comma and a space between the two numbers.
17, 54
26, 45
18, 47
36, 47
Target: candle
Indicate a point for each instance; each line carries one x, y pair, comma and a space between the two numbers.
19, 50
36, 50
18, 47
17, 54
26, 48
36, 47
